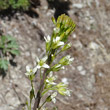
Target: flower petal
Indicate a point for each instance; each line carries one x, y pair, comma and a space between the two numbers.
44, 59
27, 68
38, 60
38, 66
54, 100
45, 65
27, 73
35, 69
48, 38
57, 38
60, 43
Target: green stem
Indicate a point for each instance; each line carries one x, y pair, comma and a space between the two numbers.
30, 105
42, 105
40, 74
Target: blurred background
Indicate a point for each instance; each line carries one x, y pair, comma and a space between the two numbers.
88, 76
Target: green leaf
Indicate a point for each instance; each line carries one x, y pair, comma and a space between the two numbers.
10, 38
3, 39
12, 45
15, 4
4, 64
15, 52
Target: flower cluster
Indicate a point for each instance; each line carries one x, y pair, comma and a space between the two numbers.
52, 97
50, 84
40, 64
55, 44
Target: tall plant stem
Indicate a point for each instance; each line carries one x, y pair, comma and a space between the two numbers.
38, 97
41, 87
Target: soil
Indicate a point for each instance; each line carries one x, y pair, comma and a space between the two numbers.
88, 76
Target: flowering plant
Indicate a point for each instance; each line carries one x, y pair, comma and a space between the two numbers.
55, 44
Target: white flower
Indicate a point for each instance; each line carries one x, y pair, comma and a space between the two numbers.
41, 63
67, 92
28, 68
62, 67
30, 71
50, 83
44, 59
59, 65
50, 79
45, 65
38, 59
47, 39
57, 42
51, 74
69, 58
56, 39
56, 30
66, 60
60, 43
35, 69
53, 97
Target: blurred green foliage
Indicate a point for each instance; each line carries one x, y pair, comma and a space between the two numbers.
15, 4
8, 46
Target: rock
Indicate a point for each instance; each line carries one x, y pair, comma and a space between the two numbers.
83, 72
80, 68
93, 45
12, 99
78, 45
78, 5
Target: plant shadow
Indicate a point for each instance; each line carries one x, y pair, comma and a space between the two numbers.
61, 7
2, 73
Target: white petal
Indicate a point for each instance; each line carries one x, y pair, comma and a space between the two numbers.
58, 66
54, 100
68, 56
60, 43
54, 40
53, 83
54, 95
69, 44
51, 74
44, 59
27, 68
48, 38
63, 67
27, 73
47, 80
45, 65
35, 69
38, 59
71, 59
45, 38
68, 93
57, 39
56, 30
38, 66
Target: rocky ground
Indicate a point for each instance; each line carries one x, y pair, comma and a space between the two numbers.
89, 74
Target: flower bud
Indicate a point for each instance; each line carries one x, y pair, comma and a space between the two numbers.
67, 46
